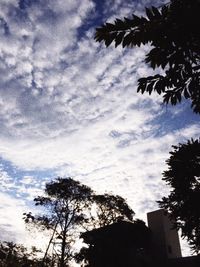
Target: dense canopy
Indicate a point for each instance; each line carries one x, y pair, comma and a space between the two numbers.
173, 34
183, 175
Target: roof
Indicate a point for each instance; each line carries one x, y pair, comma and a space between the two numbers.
128, 232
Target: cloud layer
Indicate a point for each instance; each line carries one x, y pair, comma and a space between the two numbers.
69, 107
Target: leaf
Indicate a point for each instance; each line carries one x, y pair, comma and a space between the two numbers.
149, 13
164, 10
160, 86
156, 12
191, 87
173, 100
127, 39
166, 97
136, 20
142, 82
164, 63
186, 93
110, 38
138, 38
109, 27
129, 22
119, 38
178, 96
149, 87
121, 25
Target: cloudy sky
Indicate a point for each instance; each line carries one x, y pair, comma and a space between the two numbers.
69, 107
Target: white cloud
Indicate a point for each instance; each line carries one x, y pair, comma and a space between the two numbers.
11, 212
12, 226
68, 103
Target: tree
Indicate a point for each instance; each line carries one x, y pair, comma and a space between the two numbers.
65, 201
15, 255
109, 209
183, 175
71, 207
172, 31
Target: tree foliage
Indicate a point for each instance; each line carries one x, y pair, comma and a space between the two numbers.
174, 36
70, 207
15, 255
109, 209
183, 175
65, 201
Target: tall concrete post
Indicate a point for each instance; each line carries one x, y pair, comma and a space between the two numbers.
165, 240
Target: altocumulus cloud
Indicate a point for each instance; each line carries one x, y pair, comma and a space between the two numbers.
68, 106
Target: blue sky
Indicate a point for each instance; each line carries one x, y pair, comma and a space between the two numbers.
69, 107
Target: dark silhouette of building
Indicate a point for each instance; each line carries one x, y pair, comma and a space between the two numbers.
165, 242
126, 244
121, 244
165, 238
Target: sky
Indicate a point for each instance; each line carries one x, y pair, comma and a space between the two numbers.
69, 108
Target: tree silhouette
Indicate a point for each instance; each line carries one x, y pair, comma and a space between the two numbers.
183, 175
65, 201
15, 255
174, 36
109, 209
70, 207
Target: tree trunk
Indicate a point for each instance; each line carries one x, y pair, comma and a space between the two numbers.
63, 246
50, 241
